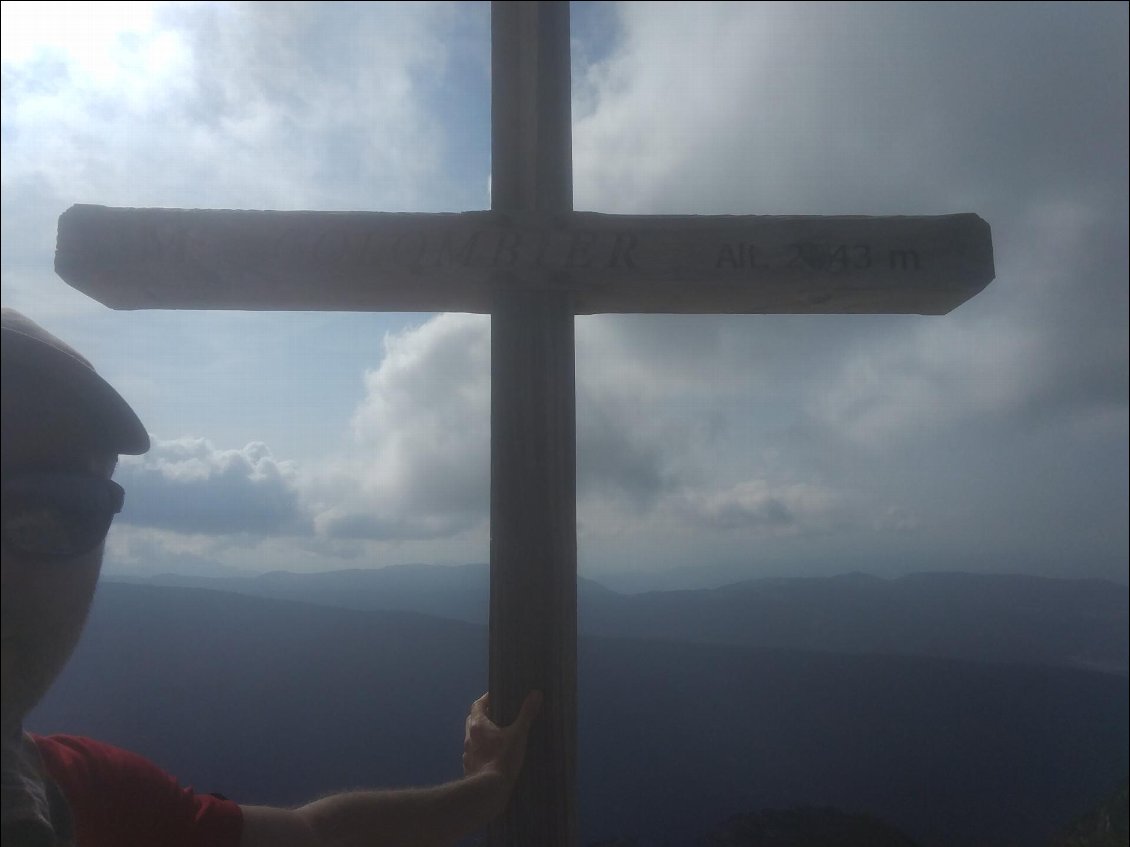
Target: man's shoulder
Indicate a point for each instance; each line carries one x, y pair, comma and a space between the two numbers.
78, 749
77, 756
111, 789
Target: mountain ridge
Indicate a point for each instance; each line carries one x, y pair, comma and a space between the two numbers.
278, 702
1001, 618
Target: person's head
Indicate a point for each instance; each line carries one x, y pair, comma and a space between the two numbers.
63, 428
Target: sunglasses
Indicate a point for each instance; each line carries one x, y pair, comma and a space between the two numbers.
57, 515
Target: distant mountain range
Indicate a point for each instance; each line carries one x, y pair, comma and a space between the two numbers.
273, 701
1004, 618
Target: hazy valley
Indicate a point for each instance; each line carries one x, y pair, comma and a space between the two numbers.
985, 730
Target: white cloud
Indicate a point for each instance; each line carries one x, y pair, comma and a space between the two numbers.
836, 108
1027, 363
114, 49
764, 109
419, 466
144, 551
419, 463
692, 430
911, 384
228, 105
189, 486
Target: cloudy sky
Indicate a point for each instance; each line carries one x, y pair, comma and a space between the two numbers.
991, 439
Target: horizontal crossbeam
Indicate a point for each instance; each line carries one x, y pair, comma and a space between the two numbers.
377, 261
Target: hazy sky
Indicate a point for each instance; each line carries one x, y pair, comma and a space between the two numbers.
991, 439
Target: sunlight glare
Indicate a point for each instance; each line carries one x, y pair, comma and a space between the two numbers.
106, 43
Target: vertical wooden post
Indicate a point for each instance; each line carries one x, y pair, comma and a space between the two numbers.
533, 553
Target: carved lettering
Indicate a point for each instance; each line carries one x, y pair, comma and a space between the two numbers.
736, 257
550, 249
811, 256
625, 243
904, 260
508, 243
581, 249
612, 263
543, 238
451, 254
842, 258
838, 261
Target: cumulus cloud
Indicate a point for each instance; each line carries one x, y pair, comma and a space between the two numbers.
834, 108
999, 429
825, 108
916, 383
144, 551
419, 465
189, 486
230, 105
1049, 358
239, 97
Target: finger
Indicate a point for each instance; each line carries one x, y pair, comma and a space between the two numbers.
481, 706
479, 731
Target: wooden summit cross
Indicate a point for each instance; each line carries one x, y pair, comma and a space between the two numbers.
532, 263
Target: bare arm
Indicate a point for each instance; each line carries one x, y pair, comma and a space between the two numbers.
423, 817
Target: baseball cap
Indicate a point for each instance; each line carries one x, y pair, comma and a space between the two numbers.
31, 352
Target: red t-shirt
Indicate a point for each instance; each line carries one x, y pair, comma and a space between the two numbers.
118, 799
